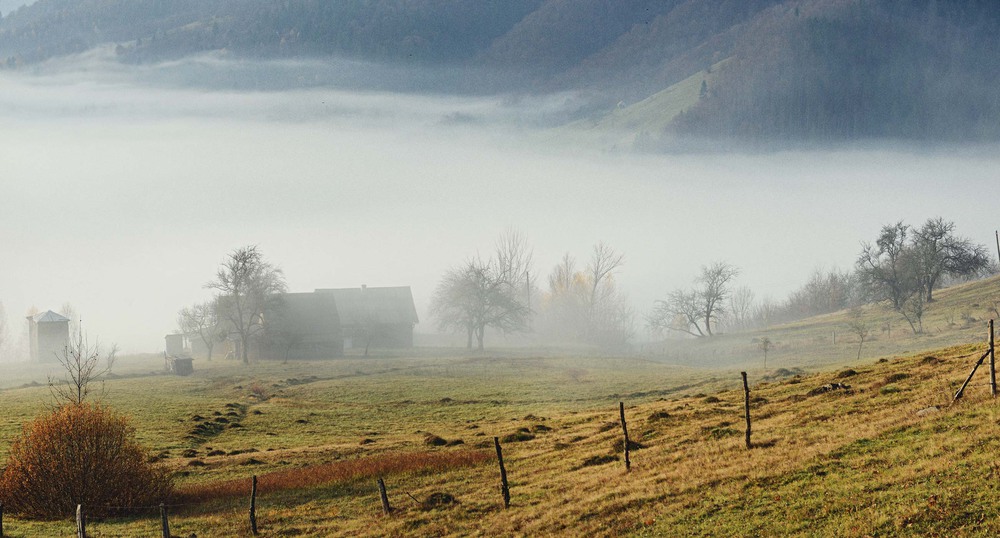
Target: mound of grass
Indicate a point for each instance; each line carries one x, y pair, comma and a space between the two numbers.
518, 436
434, 440
599, 460
438, 499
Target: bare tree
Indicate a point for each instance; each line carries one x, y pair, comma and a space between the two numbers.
912, 311
886, 268
69, 311
247, 286
741, 306
681, 311
823, 293
476, 296
514, 259
765, 346
587, 306
82, 364
701, 307
202, 320
493, 293
715, 281
604, 261
939, 252
859, 325
764, 312
565, 304
906, 265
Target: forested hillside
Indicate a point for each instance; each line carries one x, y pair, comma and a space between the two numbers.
791, 69
847, 70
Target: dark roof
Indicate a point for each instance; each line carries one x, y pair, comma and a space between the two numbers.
389, 306
309, 315
48, 317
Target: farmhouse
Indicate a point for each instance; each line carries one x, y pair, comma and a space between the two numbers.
302, 326
375, 317
325, 322
48, 336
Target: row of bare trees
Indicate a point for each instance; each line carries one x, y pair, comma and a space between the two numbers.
906, 264
580, 305
902, 269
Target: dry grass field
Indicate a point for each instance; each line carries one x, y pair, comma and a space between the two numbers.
886, 454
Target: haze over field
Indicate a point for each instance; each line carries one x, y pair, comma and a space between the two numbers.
122, 192
671, 266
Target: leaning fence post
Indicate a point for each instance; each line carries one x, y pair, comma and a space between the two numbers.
164, 524
746, 405
621, 411
504, 488
253, 505
961, 390
386, 509
81, 522
993, 368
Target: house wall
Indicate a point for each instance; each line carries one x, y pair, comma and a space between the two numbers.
326, 349
51, 340
394, 336
304, 326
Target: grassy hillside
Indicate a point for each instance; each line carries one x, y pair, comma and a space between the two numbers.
633, 126
885, 454
958, 315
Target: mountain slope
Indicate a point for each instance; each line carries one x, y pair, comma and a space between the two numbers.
835, 70
800, 70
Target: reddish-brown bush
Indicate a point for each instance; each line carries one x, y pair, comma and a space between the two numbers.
80, 454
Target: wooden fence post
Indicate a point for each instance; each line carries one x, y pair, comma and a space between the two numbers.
504, 487
164, 524
81, 522
746, 405
993, 368
621, 411
386, 509
253, 505
961, 390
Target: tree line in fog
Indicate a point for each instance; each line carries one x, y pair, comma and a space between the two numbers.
581, 302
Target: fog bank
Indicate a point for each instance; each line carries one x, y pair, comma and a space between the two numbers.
121, 194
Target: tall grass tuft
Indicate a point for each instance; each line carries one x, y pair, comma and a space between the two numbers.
339, 471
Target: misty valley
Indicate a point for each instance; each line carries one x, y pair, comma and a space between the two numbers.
530, 268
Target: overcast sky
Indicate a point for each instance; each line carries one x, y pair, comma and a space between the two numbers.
122, 198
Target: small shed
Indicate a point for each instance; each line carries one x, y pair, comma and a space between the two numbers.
48, 336
175, 345
181, 365
176, 359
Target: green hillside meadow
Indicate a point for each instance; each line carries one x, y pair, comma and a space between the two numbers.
884, 452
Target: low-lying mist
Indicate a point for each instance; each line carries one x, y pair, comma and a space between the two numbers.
122, 188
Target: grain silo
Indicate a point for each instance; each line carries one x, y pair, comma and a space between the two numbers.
48, 336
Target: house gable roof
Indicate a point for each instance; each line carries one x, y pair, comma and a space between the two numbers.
388, 305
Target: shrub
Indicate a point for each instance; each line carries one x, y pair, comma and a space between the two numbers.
80, 454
